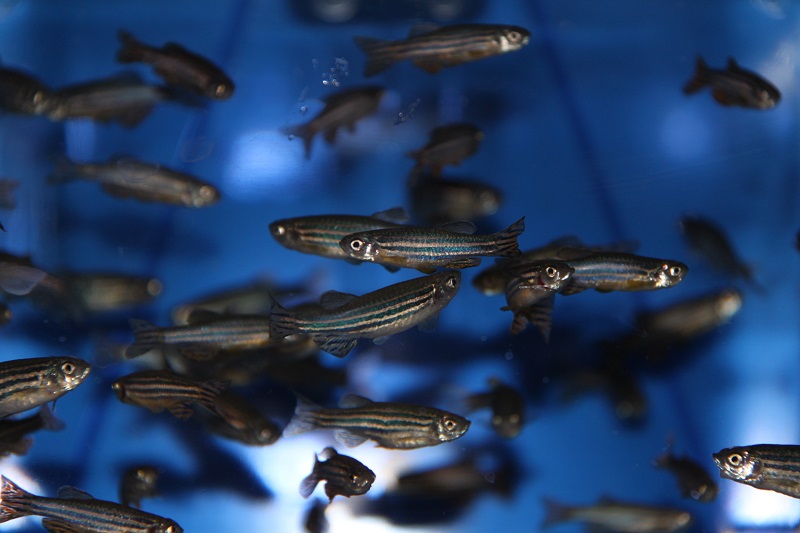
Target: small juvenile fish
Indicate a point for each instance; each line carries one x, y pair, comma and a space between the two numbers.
157, 390
344, 475
23, 93
533, 284
125, 99
462, 480
507, 405
315, 521
321, 234
450, 246
628, 400
693, 480
137, 483
239, 420
104, 292
342, 319
443, 47
611, 515
28, 383
178, 66
342, 110
147, 182
75, 511
448, 145
773, 467
734, 86
438, 201
389, 424
14, 433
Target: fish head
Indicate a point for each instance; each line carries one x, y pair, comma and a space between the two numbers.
513, 38
119, 390
554, 274
166, 526
450, 427
203, 195
146, 475
220, 89
766, 97
359, 480
507, 424
737, 464
668, 274
728, 303
284, 231
446, 286
360, 246
65, 373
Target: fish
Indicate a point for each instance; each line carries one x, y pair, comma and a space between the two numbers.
774, 467
7, 188
178, 66
137, 483
531, 285
19, 279
460, 480
344, 476
315, 521
343, 318
342, 110
75, 511
613, 515
237, 419
453, 245
693, 480
103, 292
204, 339
389, 424
5, 314
628, 401
321, 234
22, 92
157, 390
443, 47
28, 383
507, 405
125, 99
14, 433
448, 145
438, 201
124, 177
733, 86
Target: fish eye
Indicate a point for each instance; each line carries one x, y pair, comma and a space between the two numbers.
356, 244
551, 272
206, 192
68, 368
221, 89
449, 424
279, 230
735, 459
675, 271
514, 36
354, 478
451, 282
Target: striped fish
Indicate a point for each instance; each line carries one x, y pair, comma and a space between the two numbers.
342, 319
345, 476
137, 483
321, 234
448, 145
157, 390
530, 293
28, 383
391, 425
773, 467
451, 246
75, 511
443, 47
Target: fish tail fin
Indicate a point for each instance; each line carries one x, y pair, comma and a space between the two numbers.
63, 171
19, 280
10, 494
305, 132
146, 337
554, 512
304, 419
210, 390
282, 323
506, 240
132, 50
49, 420
309, 483
700, 78
377, 60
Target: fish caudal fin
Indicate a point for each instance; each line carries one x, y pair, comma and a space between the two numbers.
10, 493
304, 419
132, 50
700, 78
19, 280
554, 513
309, 483
282, 323
506, 240
305, 132
146, 337
377, 59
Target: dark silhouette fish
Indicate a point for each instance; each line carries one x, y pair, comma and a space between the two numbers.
734, 86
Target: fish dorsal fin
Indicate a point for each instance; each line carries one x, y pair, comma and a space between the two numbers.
733, 65
467, 228
328, 452
423, 28
396, 214
71, 493
351, 401
57, 526
333, 299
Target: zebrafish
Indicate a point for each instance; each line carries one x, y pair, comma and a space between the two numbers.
203, 339
137, 483
450, 246
693, 480
239, 420
14, 433
448, 145
389, 424
321, 234
315, 521
507, 405
463, 479
443, 47
178, 66
102, 292
612, 515
734, 86
146, 182
157, 390
21, 92
773, 467
438, 201
628, 401
344, 476
342, 318
28, 383
530, 291
342, 110
75, 511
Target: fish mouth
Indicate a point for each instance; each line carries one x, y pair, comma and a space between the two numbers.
723, 472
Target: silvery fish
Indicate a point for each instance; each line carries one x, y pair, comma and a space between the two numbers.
21, 92
693, 480
137, 483
450, 246
507, 405
178, 66
28, 383
342, 110
612, 515
342, 319
389, 424
443, 47
321, 234
463, 479
14, 432
734, 86
237, 419
18, 279
438, 200
344, 476
147, 182
448, 145
157, 390
75, 511
773, 467
531, 284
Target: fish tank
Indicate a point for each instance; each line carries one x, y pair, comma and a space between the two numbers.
585, 129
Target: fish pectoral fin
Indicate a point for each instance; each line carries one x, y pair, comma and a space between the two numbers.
430, 324
348, 439
338, 346
381, 340
71, 493
57, 526
464, 263
333, 299
722, 97
181, 411
431, 67
391, 268
571, 289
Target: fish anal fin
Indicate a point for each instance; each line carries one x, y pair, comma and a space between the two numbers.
722, 97
338, 346
348, 439
381, 340
429, 324
57, 526
181, 411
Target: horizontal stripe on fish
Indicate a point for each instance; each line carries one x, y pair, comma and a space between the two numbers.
29, 383
763, 466
616, 271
